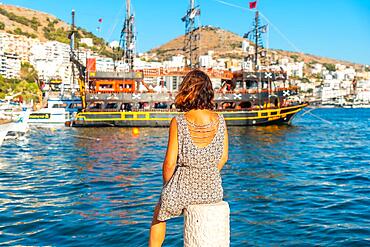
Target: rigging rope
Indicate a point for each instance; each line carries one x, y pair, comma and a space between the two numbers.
295, 48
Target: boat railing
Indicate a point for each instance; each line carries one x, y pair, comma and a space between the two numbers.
255, 90
157, 72
240, 90
254, 108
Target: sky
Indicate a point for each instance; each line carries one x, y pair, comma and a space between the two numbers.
337, 29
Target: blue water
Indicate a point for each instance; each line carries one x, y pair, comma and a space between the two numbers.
301, 185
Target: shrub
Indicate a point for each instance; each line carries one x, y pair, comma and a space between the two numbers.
19, 31
33, 23
329, 66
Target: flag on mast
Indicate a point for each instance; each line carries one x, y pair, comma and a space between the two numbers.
253, 5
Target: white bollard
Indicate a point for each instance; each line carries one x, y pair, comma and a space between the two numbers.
207, 225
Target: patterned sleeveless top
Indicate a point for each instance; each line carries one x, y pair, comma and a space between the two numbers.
196, 179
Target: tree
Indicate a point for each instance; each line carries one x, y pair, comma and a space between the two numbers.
305, 80
329, 66
294, 57
28, 72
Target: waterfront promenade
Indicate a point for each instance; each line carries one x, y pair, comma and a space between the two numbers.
301, 185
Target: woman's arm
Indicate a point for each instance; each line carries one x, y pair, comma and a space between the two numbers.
225, 153
170, 161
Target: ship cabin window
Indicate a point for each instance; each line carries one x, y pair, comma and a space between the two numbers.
126, 107
144, 105
264, 114
174, 83
251, 84
273, 113
64, 105
160, 105
106, 87
111, 105
123, 86
75, 106
96, 105
228, 105
245, 104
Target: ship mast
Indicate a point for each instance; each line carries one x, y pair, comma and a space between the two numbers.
127, 40
75, 62
255, 35
192, 35
256, 42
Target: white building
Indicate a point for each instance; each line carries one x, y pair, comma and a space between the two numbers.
10, 65
316, 68
333, 90
177, 61
52, 60
363, 91
87, 41
294, 69
17, 44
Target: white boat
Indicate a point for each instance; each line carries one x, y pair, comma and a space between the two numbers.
3, 133
14, 130
58, 112
10, 110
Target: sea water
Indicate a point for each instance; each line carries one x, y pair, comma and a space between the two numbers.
301, 185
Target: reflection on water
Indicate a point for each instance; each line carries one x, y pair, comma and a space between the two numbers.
306, 184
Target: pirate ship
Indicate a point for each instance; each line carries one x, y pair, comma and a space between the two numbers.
254, 96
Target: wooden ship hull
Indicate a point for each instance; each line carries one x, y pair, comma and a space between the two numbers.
162, 118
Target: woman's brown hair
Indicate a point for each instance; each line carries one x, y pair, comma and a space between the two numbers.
195, 92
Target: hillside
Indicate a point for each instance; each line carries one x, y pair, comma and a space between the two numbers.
42, 26
223, 43
226, 44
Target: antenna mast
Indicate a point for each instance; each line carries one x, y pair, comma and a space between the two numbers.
192, 35
127, 40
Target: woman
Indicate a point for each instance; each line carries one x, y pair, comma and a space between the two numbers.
197, 150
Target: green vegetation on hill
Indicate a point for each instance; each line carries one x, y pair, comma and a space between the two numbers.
27, 84
329, 66
53, 33
19, 31
33, 23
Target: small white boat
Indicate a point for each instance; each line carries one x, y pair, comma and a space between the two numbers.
3, 133
58, 112
14, 130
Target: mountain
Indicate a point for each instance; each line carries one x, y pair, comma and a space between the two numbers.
223, 43
42, 26
226, 44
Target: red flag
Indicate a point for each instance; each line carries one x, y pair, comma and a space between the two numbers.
100, 20
252, 5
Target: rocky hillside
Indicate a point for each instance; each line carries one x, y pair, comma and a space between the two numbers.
223, 43
35, 24
226, 44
